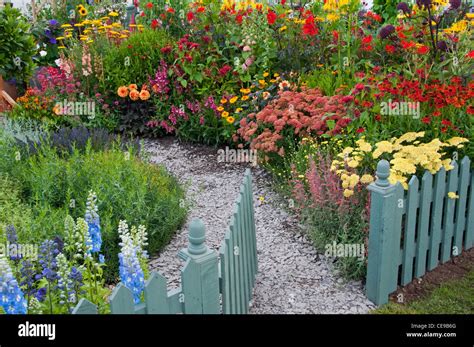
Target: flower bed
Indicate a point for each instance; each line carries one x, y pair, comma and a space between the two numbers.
320, 91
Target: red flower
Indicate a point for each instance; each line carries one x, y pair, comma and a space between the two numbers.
170, 10
201, 9
470, 55
390, 49
224, 70
190, 16
360, 130
470, 109
408, 44
444, 129
335, 35
446, 122
283, 2
142, 14
359, 86
366, 40
423, 49
271, 17
309, 28
166, 50
436, 113
426, 120
149, 5
239, 19
378, 118
154, 23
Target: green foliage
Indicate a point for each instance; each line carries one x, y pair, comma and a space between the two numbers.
386, 8
135, 59
17, 46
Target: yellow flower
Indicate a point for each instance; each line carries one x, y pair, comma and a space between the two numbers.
363, 145
245, 91
276, 75
266, 74
353, 163
230, 120
332, 17
456, 141
220, 109
66, 25
223, 101
113, 14
238, 110
453, 195
234, 99
245, 97
122, 92
283, 28
470, 15
83, 11
366, 179
225, 114
84, 38
61, 47
348, 193
60, 38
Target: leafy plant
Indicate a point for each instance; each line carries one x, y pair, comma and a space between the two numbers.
17, 46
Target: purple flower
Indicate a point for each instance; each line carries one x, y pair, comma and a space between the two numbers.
41, 294
53, 22
53, 41
403, 6
455, 4
442, 46
423, 3
386, 31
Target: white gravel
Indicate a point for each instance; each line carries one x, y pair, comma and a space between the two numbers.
293, 278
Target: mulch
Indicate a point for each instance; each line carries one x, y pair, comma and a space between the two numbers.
456, 268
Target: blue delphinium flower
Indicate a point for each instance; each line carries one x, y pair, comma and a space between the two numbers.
12, 239
12, 299
101, 259
93, 221
47, 260
131, 273
27, 280
41, 294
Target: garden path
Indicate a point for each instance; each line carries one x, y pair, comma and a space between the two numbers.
293, 278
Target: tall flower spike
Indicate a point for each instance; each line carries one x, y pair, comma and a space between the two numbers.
12, 299
93, 221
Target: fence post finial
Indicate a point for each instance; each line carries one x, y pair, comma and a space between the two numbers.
197, 237
383, 172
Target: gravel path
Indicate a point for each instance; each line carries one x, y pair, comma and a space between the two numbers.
293, 278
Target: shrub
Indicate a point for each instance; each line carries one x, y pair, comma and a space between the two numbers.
128, 189
291, 117
17, 48
135, 59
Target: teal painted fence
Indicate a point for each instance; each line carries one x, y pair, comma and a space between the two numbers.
205, 274
238, 254
414, 231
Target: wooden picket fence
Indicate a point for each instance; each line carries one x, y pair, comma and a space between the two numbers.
205, 275
413, 232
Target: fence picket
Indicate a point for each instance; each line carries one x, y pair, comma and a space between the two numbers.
426, 196
238, 235
463, 189
85, 307
396, 235
436, 215
252, 222
121, 300
156, 295
449, 207
245, 250
470, 217
235, 259
409, 236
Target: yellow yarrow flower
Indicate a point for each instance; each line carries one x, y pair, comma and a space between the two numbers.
453, 195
